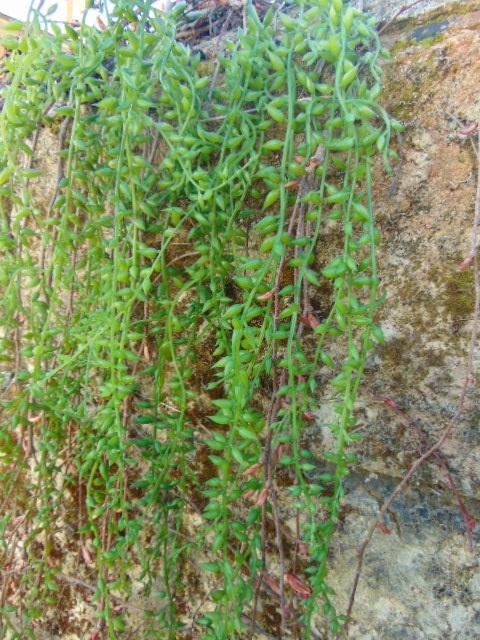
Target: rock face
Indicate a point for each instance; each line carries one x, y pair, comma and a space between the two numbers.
387, 9
420, 580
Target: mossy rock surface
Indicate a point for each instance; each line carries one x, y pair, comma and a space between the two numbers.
420, 580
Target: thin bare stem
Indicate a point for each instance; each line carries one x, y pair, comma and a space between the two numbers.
401, 11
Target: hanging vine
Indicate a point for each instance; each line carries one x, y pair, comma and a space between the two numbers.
161, 348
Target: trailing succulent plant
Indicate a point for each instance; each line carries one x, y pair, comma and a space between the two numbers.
186, 229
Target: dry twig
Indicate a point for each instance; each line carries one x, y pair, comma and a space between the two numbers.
442, 463
401, 11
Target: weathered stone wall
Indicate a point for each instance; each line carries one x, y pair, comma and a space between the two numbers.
386, 9
420, 580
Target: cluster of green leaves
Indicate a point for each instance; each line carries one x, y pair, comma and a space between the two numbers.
113, 289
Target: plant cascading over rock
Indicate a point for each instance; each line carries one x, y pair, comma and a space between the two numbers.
164, 353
